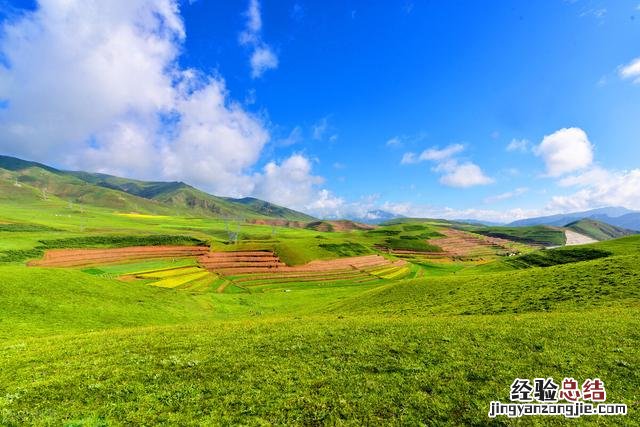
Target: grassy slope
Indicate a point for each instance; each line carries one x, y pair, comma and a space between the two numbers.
598, 230
577, 286
77, 347
134, 195
428, 349
535, 235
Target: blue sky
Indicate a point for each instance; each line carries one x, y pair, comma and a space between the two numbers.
420, 108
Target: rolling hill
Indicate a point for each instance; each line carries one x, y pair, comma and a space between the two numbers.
92, 345
598, 230
125, 194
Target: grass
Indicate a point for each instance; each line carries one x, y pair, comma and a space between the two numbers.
345, 371
411, 245
547, 258
78, 347
606, 282
140, 267
535, 235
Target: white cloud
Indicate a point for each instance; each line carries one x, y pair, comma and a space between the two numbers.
599, 187
434, 154
292, 184
262, 56
262, 59
294, 137
251, 33
76, 68
101, 80
455, 174
445, 153
426, 211
597, 13
521, 145
462, 175
320, 128
564, 151
506, 196
216, 142
631, 71
394, 142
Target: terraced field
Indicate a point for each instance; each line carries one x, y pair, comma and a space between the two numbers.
86, 257
460, 245
264, 270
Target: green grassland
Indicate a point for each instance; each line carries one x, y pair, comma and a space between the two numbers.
80, 347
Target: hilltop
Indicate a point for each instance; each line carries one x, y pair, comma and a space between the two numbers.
130, 195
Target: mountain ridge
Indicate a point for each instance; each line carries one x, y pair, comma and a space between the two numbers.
613, 215
132, 194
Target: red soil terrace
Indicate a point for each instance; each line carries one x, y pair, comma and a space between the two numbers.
244, 262
84, 257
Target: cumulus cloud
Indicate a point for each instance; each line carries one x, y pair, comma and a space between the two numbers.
292, 184
72, 69
262, 56
262, 59
521, 145
96, 85
599, 187
216, 141
564, 151
455, 173
631, 71
462, 175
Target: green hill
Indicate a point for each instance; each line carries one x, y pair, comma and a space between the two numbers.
82, 347
538, 235
138, 196
271, 210
598, 230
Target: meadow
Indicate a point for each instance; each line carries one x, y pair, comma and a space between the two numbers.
433, 346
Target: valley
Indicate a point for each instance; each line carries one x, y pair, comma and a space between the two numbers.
113, 316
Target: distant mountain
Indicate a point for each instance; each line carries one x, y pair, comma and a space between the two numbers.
142, 196
374, 216
479, 222
617, 216
271, 210
598, 230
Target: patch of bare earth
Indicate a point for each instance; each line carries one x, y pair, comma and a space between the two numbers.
574, 238
86, 257
266, 262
